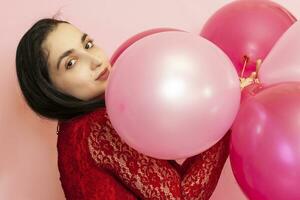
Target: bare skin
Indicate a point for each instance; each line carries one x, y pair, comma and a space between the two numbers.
76, 74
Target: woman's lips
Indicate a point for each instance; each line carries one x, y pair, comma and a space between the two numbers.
103, 75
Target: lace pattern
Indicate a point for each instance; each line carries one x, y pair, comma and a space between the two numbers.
203, 171
148, 177
95, 164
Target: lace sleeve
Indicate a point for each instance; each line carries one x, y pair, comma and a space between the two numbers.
202, 171
147, 177
80, 178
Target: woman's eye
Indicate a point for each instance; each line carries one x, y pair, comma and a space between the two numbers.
70, 63
89, 45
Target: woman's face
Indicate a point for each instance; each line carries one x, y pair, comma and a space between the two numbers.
76, 66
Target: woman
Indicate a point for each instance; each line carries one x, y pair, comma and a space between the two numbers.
63, 76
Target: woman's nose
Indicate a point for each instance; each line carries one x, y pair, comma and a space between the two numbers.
94, 61
94, 66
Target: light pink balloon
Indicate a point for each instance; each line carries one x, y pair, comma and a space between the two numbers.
283, 62
247, 28
265, 145
135, 38
172, 95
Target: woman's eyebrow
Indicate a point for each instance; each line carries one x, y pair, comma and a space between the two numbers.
83, 37
70, 51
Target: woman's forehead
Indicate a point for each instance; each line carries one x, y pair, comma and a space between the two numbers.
63, 38
63, 34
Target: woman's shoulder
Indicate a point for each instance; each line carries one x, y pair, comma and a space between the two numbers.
98, 114
74, 133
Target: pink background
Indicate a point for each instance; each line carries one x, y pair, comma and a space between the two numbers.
28, 159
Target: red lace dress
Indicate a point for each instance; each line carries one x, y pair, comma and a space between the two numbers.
94, 164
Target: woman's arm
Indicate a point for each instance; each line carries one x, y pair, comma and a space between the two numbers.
202, 172
81, 179
149, 178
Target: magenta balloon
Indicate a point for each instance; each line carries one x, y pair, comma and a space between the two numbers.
135, 38
283, 62
250, 91
265, 144
247, 28
172, 95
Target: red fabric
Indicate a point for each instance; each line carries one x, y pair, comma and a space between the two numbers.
94, 163
81, 179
